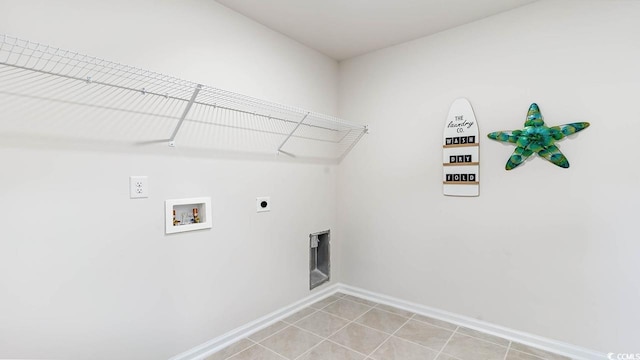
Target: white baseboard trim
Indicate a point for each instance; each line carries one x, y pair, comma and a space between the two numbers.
210, 347
572, 351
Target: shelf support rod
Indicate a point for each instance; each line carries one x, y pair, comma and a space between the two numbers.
291, 133
365, 130
184, 115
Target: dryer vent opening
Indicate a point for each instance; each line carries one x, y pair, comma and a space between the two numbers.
319, 259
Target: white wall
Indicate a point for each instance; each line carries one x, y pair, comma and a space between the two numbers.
85, 272
544, 250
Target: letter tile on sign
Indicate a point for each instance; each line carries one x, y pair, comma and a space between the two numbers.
461, 149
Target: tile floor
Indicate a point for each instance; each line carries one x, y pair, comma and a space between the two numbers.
344, 327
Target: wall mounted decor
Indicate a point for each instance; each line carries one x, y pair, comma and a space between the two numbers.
536, 137
461, 150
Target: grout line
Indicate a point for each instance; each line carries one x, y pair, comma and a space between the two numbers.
306, 331
450, 356
348, 348
342, 296
354, 321
302, 318
507, 353
264, 347
362, 301
356, 302
349, 322
340, 317
309, 350
534, 355
447, 343
415, 343
320, 308
266, 337
421, 345
391, 312
322, 339
367, 326
389, 301
320, 336
467, 335
485, 340
247, 348
390, 336
438, 326
363, 314
413, 316
252, 343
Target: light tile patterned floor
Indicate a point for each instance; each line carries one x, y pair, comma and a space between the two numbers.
344, 327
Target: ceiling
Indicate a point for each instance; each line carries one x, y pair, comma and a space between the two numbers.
343, 29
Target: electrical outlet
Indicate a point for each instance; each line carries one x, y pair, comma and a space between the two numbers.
263, 204
138, 187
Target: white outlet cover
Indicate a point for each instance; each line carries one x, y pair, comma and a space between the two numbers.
138, 187
260, 204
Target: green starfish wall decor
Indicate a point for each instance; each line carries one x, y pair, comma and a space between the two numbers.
536, 137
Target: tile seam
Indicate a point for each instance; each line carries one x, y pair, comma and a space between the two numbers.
390, 336
447, 342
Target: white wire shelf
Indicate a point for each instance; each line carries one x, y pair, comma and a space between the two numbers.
54, 92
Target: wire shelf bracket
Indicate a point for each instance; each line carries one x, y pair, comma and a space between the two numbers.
172, 139
289, 136
48, 91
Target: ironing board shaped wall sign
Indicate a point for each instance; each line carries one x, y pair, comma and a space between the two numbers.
461, 150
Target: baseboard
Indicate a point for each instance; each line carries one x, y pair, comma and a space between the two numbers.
210, 347
572, 351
